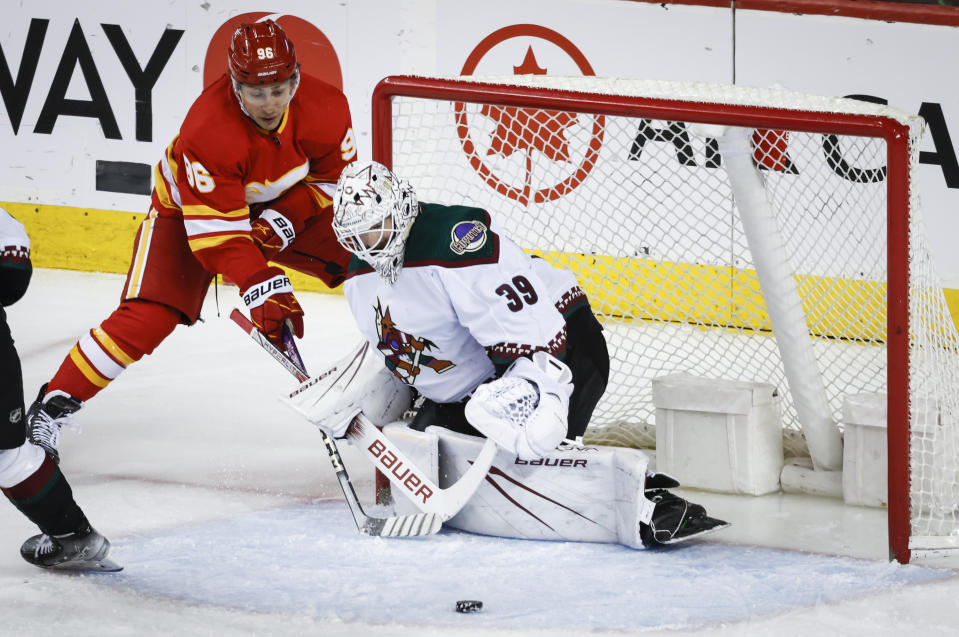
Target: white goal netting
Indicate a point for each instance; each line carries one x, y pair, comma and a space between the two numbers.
636, 200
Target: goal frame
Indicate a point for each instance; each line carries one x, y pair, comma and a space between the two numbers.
895, 134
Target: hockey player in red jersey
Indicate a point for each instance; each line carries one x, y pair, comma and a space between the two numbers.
247, 181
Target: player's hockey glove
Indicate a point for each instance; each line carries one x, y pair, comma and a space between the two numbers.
268, 295
272, 232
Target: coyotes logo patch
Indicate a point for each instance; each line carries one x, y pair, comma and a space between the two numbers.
405, 354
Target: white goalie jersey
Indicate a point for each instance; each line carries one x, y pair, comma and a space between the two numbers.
466, 301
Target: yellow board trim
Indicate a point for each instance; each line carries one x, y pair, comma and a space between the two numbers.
93, 240
727, 297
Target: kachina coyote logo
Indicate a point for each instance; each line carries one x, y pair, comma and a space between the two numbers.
405, 354
528, 154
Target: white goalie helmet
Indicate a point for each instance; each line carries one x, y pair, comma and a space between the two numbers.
373, 212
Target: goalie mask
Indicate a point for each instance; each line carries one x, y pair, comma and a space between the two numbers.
373, 212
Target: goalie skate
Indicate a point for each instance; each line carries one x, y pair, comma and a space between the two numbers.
74, 551
676, 520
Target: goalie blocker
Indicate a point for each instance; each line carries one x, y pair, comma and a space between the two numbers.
576, 493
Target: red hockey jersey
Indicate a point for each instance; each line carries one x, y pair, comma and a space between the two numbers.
222, 162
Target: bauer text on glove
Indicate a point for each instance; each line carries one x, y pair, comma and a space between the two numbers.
268, 295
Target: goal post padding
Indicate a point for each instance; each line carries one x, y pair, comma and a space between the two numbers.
617, 180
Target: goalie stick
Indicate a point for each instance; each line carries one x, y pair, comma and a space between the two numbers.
398, 526
426, 495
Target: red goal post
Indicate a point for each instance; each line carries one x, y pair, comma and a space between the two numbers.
625, 183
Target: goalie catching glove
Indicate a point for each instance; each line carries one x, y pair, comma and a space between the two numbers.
268, 294
360, 382
525, 410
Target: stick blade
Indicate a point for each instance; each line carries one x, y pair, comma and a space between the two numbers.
404, 525
104, 565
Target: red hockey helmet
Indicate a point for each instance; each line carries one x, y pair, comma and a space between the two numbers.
260, 53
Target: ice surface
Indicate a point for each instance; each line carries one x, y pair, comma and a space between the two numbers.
222, 507
311, 559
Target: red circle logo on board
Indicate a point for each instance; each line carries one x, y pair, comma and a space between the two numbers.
533, 134
313, 49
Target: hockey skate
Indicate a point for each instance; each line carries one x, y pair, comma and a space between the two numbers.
676, 520
46, 417
84, 551
656, 481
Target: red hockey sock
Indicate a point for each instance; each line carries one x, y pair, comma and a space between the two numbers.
132, 331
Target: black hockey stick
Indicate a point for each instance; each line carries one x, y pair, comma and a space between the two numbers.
399, 526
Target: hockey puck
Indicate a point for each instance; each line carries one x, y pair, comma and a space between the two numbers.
469, 606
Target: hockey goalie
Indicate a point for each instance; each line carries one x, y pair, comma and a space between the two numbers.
492, 344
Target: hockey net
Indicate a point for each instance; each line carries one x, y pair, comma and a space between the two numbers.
625, 183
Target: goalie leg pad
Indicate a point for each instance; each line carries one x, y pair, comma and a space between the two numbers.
385, 398
583, 494
419, 447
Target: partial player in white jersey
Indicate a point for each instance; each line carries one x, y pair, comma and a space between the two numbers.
496, 343
29, 478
